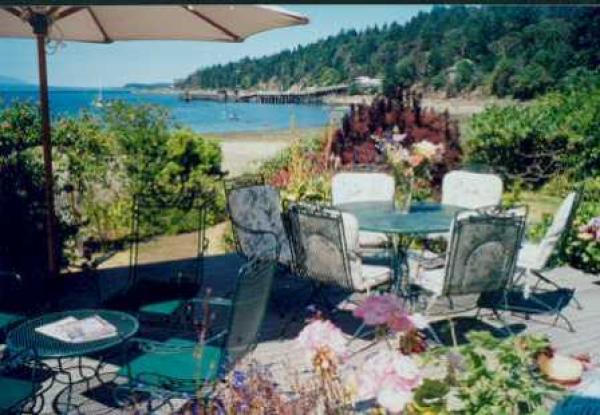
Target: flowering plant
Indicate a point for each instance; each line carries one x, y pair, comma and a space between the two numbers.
410, 163
590, 231
391, 378
389, 313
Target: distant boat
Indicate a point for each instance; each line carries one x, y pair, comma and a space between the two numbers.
99, 101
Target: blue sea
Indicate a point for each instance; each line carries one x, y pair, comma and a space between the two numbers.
201, 116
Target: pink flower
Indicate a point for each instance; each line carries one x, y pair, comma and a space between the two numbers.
400, 321
390, 377
377, 309
321, 334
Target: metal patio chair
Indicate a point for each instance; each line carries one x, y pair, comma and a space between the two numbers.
480, 259
325, 250
364, 186
11, 291
188, 366
255, 212
23, 383
466, 189
471, 190
152, 290
535, 259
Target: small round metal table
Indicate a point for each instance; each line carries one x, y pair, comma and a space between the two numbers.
402, 228
25, 337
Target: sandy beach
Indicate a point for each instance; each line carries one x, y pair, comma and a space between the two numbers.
244, 151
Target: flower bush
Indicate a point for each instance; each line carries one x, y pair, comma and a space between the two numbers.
390, 378
301, 171
399, 120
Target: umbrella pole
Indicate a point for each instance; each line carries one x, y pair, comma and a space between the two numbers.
41, 33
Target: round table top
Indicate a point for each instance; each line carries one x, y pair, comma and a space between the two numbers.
423, 217
25, 337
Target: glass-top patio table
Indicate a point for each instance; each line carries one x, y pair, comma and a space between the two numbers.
402, 228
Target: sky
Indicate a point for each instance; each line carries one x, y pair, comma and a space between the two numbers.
113, 65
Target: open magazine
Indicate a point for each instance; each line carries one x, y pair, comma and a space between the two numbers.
72, 330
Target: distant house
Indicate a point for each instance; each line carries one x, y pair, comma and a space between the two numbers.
364, 83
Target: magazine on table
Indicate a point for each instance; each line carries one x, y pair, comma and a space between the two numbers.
72, 330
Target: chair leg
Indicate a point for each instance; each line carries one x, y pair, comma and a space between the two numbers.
542, 278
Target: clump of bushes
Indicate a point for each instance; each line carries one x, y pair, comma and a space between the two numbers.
100, 163
558, 133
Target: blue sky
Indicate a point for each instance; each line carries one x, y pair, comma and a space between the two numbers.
80, 64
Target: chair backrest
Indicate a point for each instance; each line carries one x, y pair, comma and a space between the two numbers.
148, 216
323, 240
471, 190
563, 218
483, 250
255, 213
253, 288
350, 187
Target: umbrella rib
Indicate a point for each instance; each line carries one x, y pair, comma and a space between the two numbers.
211, 22
14, 11
107, 39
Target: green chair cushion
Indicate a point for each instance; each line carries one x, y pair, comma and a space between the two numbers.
164, 307
191, 364
14, 392
6, 319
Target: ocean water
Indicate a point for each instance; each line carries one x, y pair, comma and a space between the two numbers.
201, 116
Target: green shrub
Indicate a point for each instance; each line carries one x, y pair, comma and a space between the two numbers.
22, 196
558, 133
100, 163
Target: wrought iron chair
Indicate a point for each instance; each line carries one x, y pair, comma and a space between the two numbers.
10, 288
481, 257
535, 259
364, 186
187, 365
466, 189
22, 385
255, 212
471, 190
325, 249
149, 291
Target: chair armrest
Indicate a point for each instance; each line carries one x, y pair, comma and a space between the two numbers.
220, 301
158, 347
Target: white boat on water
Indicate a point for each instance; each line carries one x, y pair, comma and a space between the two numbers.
99, 101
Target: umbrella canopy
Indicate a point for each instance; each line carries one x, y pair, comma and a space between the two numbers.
106, 24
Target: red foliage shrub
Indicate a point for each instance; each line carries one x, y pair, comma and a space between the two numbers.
356, 142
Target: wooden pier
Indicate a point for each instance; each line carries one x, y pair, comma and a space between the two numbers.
306, 96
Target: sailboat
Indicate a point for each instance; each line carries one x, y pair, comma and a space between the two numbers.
99, 101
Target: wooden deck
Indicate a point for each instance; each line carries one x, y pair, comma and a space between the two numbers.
277, 347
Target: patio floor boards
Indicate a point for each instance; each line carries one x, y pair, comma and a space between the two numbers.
277, 348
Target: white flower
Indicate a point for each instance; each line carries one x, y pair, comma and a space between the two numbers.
394, 400
426, 149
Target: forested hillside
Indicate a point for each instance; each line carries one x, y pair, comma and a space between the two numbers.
518, 51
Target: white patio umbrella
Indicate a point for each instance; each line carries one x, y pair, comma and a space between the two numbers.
106, 24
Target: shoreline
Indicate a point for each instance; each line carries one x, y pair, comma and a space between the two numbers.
243, 152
